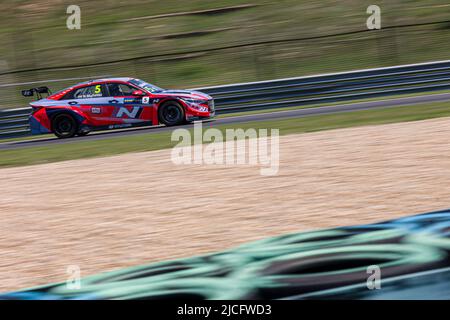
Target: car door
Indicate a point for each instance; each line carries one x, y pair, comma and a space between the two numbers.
89, 99
126, 108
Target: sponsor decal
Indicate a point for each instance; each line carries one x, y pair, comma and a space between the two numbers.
129, 100
86, 96
143, 100
96, 110
131, 114
118, 126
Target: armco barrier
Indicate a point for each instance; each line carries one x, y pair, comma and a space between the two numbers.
412, 255
327, 88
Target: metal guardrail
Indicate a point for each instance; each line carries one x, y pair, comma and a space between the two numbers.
327, 88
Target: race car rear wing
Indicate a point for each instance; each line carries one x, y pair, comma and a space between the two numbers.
39, 91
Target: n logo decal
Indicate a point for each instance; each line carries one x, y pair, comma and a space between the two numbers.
133, 114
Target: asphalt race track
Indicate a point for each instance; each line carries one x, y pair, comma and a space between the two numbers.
237, 119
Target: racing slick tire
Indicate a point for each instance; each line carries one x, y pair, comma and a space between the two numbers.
171, 114
64, 126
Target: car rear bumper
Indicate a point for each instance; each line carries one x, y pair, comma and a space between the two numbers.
36, 127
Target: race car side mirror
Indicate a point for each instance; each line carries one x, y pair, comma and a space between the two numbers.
139, 93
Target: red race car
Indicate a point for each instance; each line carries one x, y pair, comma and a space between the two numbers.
114, 103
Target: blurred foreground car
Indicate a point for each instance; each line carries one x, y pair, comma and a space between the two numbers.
111, 104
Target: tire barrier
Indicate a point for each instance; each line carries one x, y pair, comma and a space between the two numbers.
412, 254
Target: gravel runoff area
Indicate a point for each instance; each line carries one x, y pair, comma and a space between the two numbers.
120, 211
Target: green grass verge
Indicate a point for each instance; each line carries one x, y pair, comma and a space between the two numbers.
148, 142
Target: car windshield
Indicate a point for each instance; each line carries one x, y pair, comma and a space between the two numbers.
146, 86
